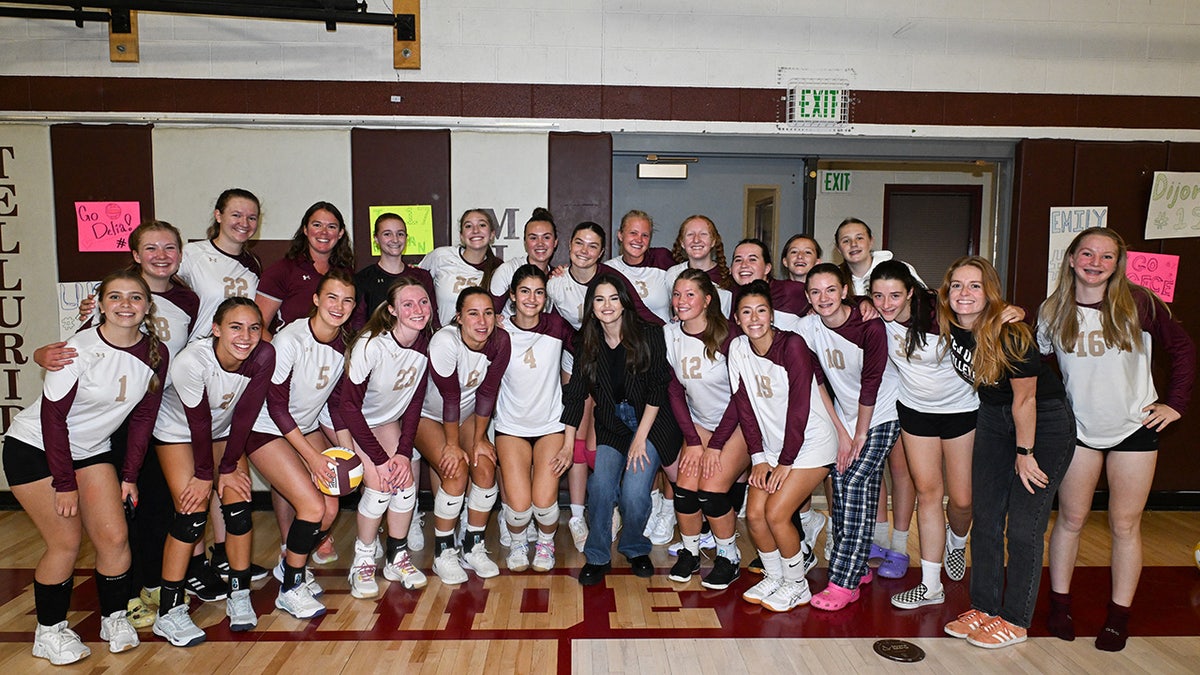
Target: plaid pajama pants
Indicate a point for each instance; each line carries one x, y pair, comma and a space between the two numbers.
855, 500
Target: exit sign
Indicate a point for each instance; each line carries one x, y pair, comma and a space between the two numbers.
819, 105
835, 181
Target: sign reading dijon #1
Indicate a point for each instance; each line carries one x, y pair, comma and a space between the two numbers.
1174, 209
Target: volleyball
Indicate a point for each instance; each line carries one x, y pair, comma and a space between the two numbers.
347, 472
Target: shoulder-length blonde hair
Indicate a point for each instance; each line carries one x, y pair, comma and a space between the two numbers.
999, 346
1118, 310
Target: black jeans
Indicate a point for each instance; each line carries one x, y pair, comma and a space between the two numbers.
1000, 496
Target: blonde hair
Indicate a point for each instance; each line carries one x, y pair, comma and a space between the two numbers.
999, 346
1118, 310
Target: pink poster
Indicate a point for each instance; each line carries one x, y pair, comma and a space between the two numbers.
1154, 271
105, 226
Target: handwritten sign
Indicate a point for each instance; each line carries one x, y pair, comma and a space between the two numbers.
1174, 209
1155, 271
419, 221
105, 226
1065, 223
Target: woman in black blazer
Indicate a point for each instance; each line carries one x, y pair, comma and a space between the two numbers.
621, 362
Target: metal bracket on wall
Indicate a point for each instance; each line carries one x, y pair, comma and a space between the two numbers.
123, 37
406, 52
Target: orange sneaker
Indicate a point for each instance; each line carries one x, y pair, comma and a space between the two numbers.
997, 633
968, 622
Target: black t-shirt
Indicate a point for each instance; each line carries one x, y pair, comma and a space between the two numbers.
614, 360
962, 349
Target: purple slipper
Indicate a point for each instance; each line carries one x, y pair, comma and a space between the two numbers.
878, 552
895, 565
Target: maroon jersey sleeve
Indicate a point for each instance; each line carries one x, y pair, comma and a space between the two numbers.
259, 368
660, 257
58, 442
141, 420
875, 359
797, 358
352, 418
410, 419
679, 407
641, 308
746, 420
498, 349
279, 398
1179, 348
199, 419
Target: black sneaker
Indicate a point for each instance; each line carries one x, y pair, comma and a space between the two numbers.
755, 566
724, 573
220, 564
683, 569
205, 584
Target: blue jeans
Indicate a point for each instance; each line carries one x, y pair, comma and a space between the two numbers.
612, 485
1000, 497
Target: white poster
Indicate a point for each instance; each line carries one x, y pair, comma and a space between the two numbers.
1174, 210
505, 172
28, 264
1065, 223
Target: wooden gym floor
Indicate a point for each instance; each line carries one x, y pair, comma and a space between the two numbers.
548, 623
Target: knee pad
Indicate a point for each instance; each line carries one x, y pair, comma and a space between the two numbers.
303, 536
189, 527
737, 495
546, 515
687, 501
403, 501
519, 520
237, 518
447, 506
714, 504
482, 499
373, 503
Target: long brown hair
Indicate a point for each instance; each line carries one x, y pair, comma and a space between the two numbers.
999, 346
148, 321
591, 334
342, 254
716, 326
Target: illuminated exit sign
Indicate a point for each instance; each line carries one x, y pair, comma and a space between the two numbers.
835, 181
820, 105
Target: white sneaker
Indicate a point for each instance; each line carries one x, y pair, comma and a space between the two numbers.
402, 569
416, 532
762, 590
543, 557
477, 559
655, 510
789, 595
120, 634
531, 532
58, 644
324, 554
448, 568
310, 579
518, 557
379, 552
362, 578
707, 542
810, 533
505, 535
299, 602
664, 528
616, 522
177, 627
240, 611
579, 531
828, 538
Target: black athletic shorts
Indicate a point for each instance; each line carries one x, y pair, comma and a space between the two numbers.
1144, 439
935, 425
24, 463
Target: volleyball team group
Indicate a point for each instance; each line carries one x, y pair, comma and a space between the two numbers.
673, 388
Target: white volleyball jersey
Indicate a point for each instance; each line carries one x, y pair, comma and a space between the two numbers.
502, 283
530, 400
174, 317
384, 382
723, 296
855, 362
652, 285
928, 382
451, 274
215, 275
464, 381
705, 381
779, 403
306, 373
82, 404
567, 295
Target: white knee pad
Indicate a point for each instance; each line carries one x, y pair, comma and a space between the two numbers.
403, 501
546, 515
518, 520
482, 499
373, 503
447, 506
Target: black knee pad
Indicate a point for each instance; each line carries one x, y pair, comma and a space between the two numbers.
737, 495
237, 518
303, 536
714, 504
189, 527
687, 501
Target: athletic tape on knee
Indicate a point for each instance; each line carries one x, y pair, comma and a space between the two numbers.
189, 527
237, 518
546, 515
482, 499
303, 536
713, 504
519, 519
687, 501
404, 501
373, 503
447, 506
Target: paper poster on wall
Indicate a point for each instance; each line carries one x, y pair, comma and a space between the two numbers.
1065, 223
419, 221
1174, 209
105, 226
1155, 271
70, 294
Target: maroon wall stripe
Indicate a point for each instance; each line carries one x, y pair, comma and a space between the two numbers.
580, 185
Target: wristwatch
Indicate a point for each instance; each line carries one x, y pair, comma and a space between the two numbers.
1024, 451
